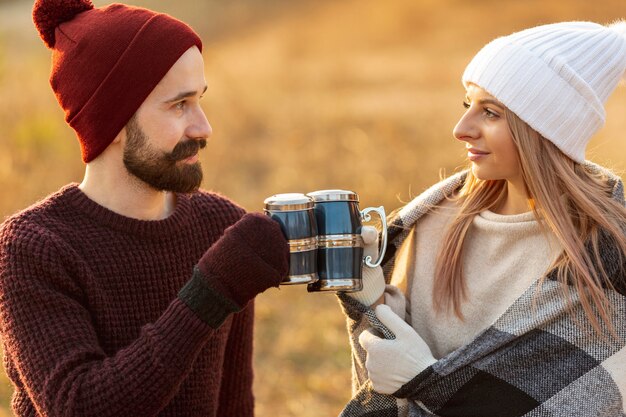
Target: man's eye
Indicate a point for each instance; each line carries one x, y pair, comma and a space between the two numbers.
180, 105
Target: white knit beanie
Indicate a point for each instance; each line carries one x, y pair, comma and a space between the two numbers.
555, 77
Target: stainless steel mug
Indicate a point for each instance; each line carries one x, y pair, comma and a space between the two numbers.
340, 245
294, 214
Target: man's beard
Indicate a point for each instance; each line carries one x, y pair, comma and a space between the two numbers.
160, 170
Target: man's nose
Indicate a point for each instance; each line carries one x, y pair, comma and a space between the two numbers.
199, 127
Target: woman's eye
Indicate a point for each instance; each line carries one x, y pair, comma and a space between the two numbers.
466, 105
491, 114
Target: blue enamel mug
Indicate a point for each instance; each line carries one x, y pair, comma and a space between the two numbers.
340, 246
294, 214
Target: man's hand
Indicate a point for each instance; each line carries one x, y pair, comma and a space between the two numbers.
250, 257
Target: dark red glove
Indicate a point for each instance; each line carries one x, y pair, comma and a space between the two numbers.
250, 257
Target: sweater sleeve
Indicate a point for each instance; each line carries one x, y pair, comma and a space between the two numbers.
236, 398
48, 332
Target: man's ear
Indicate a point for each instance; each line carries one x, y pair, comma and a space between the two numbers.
120, 136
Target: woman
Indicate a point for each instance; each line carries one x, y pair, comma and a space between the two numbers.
507, 282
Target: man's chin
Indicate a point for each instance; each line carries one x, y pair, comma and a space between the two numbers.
181, 187
177, 190
191, 191
179, 178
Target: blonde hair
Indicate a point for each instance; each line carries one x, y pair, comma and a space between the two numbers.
585, 214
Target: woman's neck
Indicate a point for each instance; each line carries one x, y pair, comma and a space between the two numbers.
515, 199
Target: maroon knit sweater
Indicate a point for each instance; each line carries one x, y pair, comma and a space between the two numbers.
90, 318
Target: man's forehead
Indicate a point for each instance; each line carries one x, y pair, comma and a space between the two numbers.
186, 75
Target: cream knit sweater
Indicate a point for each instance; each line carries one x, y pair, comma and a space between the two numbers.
540, 356
504, 255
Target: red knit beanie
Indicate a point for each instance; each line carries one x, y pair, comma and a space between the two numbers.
106, 61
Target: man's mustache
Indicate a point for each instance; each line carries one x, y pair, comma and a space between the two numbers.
186, 149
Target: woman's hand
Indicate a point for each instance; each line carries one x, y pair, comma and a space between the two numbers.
373, 279
392, 363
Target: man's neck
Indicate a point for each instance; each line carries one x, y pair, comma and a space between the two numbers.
122, 193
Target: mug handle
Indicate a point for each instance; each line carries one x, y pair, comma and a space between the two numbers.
383, 218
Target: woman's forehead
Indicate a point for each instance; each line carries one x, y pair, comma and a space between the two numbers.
475, 93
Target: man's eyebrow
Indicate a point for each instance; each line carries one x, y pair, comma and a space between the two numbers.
185, 94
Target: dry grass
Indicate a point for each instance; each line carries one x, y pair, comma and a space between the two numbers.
355, 94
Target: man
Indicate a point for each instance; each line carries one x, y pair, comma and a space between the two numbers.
131, 294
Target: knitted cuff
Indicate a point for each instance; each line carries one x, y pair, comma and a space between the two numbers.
373, 286
208, 304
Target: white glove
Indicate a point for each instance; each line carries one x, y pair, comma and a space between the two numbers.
373, 279
392, 363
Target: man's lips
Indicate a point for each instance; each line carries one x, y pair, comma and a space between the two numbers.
191, 159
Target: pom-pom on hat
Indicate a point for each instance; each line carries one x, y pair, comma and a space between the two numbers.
555, 77
106, 61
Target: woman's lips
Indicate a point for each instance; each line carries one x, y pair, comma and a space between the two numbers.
475, 154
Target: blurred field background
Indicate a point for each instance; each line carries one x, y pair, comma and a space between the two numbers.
303, 95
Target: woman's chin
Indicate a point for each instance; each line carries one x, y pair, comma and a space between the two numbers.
484, 174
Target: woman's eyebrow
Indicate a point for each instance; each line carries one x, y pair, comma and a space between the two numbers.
491, 101
484, 101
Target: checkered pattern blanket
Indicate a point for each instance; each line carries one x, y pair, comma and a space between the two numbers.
537, 359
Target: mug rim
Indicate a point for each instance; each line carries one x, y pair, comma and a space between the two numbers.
333, 195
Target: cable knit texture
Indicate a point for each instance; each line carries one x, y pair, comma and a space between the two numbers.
534, 70
91, 322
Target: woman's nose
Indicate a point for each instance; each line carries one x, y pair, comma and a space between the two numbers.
465, 128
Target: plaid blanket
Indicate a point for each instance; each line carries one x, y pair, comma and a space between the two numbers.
537, 359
